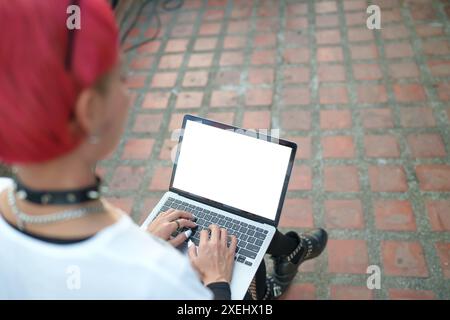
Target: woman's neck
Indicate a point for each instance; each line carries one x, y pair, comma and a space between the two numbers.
60, 174
65, 173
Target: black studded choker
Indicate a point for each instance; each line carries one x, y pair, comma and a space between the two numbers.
57, 197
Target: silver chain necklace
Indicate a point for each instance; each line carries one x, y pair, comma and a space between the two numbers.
23, 218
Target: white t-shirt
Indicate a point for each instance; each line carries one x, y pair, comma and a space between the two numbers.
120, 262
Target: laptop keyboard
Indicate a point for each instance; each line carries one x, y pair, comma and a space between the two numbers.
249, 237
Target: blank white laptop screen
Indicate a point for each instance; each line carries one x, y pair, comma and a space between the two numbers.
232, 168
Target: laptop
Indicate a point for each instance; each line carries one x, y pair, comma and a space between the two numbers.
234, 178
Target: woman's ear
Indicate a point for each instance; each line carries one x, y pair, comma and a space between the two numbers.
86, 113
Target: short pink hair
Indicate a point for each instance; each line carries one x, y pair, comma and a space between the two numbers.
37, 91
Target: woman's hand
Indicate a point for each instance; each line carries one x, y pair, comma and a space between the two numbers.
166, 224
213, 259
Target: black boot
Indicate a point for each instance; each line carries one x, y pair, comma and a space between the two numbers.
310, 245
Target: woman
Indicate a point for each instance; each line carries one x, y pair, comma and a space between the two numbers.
63, 108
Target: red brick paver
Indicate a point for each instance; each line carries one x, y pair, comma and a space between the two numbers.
347, 256
404, 259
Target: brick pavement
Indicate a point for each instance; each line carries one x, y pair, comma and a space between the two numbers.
369, 110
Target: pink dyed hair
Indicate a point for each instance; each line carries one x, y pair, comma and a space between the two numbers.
37, 92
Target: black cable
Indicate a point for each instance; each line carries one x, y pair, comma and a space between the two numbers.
136, 17
166, 5
70, 42
178, 4
114, 3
